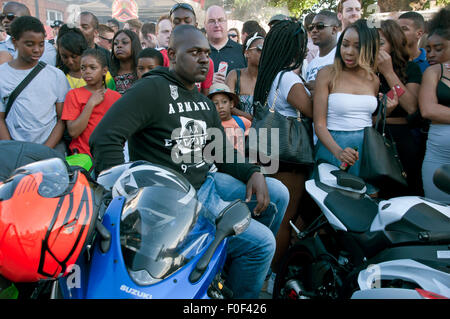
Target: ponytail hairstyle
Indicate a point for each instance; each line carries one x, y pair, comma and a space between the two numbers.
440, 24
369, 45
284, 49
100, 57
72, 40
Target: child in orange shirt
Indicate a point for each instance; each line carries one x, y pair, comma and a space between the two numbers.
84, 107
236, 127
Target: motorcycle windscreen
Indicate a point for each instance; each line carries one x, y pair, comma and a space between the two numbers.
53, 181
161, 230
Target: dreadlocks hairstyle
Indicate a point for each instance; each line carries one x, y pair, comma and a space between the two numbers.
440, 24
284, 49
369, 44
397, 39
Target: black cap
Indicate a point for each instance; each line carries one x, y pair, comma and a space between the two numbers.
57, 23
277, 17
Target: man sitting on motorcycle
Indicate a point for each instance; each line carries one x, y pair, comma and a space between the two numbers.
167, 121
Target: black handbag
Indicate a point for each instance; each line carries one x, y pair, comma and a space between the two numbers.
380, 162
294, 138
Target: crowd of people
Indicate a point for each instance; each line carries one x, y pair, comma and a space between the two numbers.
119, 94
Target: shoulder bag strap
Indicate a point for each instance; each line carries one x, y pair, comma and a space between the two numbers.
381, 115
239, 122
277, 91
237, 88
22, 85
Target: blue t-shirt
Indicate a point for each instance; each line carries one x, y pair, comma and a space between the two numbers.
421, 60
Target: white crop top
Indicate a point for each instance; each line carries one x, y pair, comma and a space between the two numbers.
350, 112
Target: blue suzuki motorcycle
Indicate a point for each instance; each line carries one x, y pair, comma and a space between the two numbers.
138, 231
153, 241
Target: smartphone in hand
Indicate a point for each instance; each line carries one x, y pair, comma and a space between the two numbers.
398, 90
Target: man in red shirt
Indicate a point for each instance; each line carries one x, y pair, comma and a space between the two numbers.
183, 13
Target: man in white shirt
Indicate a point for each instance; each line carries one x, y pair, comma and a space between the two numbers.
324, 29
324, 32
11, 11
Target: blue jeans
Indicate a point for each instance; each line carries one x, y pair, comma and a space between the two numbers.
252, 251
344, 139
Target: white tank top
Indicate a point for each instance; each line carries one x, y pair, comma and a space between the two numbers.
350, 112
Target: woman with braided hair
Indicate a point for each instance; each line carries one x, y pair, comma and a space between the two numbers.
279, 85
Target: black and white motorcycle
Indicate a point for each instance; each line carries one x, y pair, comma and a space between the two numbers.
363, 248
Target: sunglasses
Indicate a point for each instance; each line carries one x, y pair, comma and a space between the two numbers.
319, 26
10, 16
183, 6
259, 47
106, 39
231, 35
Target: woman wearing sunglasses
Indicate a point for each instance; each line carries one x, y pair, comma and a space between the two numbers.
279, 85
233, 34
242, 81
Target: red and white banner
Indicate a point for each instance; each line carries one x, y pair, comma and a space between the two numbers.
124, 10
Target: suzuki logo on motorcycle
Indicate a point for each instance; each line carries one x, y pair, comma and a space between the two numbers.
135, 292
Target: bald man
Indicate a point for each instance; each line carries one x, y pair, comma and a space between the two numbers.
151, 130
222, 48
11, 11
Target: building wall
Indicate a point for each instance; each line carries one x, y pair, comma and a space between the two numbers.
43, 7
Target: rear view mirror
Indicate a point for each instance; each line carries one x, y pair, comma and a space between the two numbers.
233, 220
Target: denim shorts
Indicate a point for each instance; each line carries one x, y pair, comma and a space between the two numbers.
353, 139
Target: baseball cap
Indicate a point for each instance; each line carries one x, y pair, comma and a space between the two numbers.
276, 18
222, 88
57, 23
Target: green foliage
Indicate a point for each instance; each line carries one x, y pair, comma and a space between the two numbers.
443, 2
260, 9
299, 8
